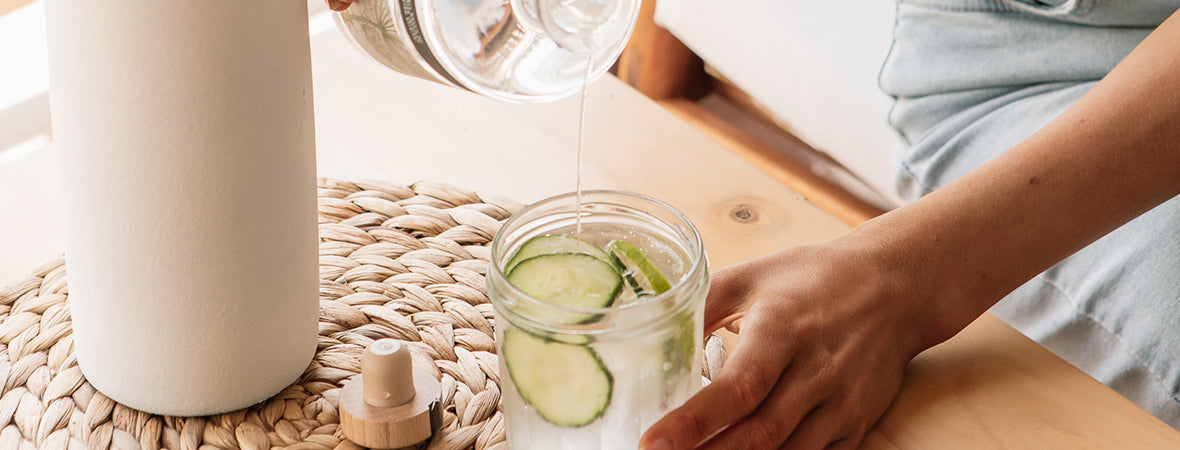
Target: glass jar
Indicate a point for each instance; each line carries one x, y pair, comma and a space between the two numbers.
594, 378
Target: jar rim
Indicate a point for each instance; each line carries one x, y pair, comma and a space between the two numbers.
694, 246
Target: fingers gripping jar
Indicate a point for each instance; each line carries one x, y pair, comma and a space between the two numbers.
512, 50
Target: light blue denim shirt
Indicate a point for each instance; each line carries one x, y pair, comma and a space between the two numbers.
971, 78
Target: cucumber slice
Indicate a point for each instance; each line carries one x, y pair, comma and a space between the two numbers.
643, 276
567, 384
550, 244
567, 279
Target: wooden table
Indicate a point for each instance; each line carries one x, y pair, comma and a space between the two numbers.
987, 387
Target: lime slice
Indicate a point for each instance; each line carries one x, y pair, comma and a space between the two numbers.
680, 348
645, 278
638, 271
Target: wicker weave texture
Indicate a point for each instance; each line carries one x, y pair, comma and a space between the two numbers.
406, 262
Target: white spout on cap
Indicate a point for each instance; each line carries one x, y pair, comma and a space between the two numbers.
389, 374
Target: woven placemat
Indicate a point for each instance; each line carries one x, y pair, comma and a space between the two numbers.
406, 262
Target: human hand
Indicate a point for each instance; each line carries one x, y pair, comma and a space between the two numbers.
825, 338
339, 5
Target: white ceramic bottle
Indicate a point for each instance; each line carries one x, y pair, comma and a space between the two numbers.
186, 139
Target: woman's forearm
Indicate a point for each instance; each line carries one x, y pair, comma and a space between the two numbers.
1110, 157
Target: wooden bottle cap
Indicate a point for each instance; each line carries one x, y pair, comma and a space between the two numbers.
389, 374
389, 405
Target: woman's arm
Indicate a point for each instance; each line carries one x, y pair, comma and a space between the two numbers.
827, 329
1110, 157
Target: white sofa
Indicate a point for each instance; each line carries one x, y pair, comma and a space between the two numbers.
812, 64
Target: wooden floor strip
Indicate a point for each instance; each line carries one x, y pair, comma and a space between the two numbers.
823, 193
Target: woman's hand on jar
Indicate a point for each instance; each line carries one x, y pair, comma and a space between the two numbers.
825, 338
339, 5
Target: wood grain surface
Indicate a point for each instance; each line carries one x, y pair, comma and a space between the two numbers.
988, 387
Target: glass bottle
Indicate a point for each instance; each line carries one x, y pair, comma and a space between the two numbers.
513, 50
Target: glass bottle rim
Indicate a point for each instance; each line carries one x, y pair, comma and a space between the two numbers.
461, 77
